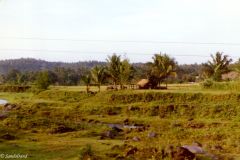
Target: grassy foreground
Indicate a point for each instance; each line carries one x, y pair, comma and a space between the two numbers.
66, 123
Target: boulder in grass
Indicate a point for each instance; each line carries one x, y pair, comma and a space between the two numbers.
194, 149
8, 107
183, 154
62, 129
3, 116
152, 135
116, 127
131, 151
8, 137
109, 134
136, 139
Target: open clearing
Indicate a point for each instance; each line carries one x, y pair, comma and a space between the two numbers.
58, 123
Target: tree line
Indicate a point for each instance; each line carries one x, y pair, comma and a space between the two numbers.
118, 71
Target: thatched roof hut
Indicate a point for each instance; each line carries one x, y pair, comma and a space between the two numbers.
233, 75
143, 84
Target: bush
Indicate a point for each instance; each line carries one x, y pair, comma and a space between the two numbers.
43, 80
226, 86
208, 83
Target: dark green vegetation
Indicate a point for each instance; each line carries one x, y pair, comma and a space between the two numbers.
66, 123
162, 69
117, 71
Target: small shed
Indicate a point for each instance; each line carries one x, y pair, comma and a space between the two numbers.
144, 84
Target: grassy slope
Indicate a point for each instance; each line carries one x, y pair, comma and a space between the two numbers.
215, 120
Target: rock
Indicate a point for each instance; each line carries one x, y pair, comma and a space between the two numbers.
136, 139
8, 107
134, 108
126, 121
62, 129
135, 126
183, 154
97, 121
8, 137
116, 127
90, 120
3, 116
190, 119
109, 134
131, 151
194, 149
152, 135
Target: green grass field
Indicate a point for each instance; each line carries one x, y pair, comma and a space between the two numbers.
60, 123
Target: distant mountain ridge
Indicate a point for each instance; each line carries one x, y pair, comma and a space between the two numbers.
31, 64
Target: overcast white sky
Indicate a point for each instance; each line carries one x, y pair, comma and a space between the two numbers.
56, 30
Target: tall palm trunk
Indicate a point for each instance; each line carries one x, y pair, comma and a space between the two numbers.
87, 88
99, 87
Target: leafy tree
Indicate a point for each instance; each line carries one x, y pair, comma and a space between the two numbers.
43, 81
98, 75
218, 66
22, 78
87, 81
161, 68
66, 76
187, 72
13, 76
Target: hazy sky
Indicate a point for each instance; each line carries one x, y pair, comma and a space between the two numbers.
77, 30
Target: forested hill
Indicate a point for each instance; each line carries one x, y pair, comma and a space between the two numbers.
30, 64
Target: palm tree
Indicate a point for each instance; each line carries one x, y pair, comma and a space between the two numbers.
162, 67
218, 65
126, 72
87, 80
98, 75
114, 67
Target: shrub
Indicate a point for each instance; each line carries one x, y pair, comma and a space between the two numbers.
227, 86
43, 80
208, 83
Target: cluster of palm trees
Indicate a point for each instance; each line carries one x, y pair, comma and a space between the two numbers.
118, 71
160, 69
